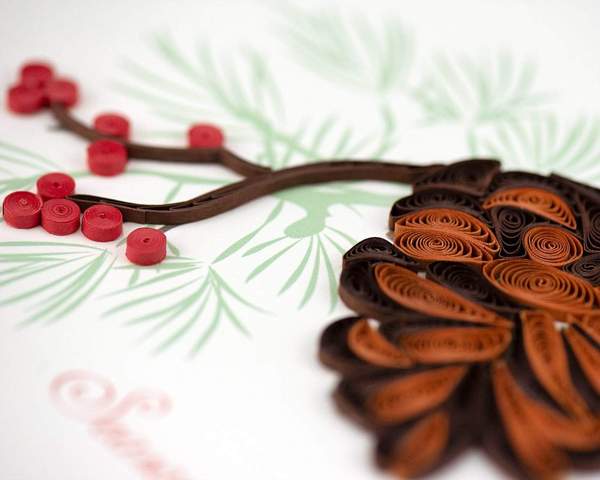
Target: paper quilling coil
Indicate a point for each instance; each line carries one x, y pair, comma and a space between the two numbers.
378, 249
588, 268
591, 227
541, 457
369, 345
468, 176
536, 200
547, 358
421, 446
509, 223
60, 216
541, 286
411, 291
434, 198
445, 234
470, 283
552, 245
414, 394
455, 344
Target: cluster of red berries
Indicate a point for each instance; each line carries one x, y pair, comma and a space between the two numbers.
61, 216
38, 88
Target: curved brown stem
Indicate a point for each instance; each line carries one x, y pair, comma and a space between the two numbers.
220, 156
239, 193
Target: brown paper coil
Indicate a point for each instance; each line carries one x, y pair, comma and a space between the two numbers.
548, 359
588, 322
369, 345
536, 200
414, 394
587, 355
411, 291
445, 234
552, 245
541, 286
421, 446
536, 452
455, 344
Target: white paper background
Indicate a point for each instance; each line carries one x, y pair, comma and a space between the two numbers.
256, 406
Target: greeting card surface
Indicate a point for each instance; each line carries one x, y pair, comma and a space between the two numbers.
205, 365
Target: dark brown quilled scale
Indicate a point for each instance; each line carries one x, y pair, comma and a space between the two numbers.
588, 268
470, 283
509, 224
378, 249
470, 176
435, 197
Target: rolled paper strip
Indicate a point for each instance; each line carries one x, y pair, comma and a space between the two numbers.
540, 456
60, 216
548, 359
513, 179
112, 125
445, 234
35, 74
411, 395
589, 323
588, 268
575, 434
432, 245
587, 355
102, 223
470, 283
335, 351
55, 185
372, 347
62, 91
424, 296
22, 99
106, 157
581, 189
469, 176
451, 220
360, 292
536, 200
590, 219
509, 224
551, 245
204, 135
422, 446
146, 246
454, 344
541, 286
434, 198
22, 209
378, 249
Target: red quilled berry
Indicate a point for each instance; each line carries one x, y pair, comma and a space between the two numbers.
113, 125
35, 75
22, 99
60, 216
22, 209
146, 246
106, 157
55, 185
203, 135
63, 91
102, 223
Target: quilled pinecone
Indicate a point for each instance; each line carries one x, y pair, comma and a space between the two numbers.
478, 326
